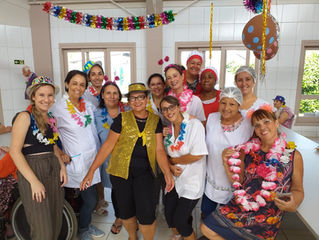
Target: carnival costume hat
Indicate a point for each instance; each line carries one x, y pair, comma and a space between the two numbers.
209, 69
280, 98
43, 81
246, 69
232, 92
136, 87
195, 54
89, 65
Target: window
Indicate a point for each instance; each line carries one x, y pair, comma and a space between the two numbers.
118, 60
226, 58
307, 95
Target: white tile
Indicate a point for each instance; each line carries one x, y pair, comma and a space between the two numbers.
5, 82
315, 30
168, 36
65, 35
79, 35
14, 37
3, 39
4, 57
7, 99
19, 103
227, 15
16, 78
276, 12
238, 31
290, 13
286, 56
316, 15
197, 32
306, 12
226, 31
181, 33
8, 116
28, 56
196, 15
283, 78
241, 15
26, 37
304, 32
288, 32
15, 54
182, 17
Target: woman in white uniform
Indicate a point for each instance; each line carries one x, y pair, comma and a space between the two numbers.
79, 139
226, 128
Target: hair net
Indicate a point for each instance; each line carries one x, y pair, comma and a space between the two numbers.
247, 69
234, 93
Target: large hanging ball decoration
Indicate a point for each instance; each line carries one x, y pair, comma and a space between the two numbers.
270, 52
252, 32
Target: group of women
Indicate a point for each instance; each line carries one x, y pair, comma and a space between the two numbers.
162, 128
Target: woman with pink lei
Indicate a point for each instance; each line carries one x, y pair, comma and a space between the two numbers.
267, 174
206, 90
188, 101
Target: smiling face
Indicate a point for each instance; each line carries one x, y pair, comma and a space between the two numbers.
266, 129
174, 80
96, 76
43, 97
111, 96
76, 87
137, 101
193, 66
228, 108
208, 81
245, 83
170, 111
277, 104
157, 86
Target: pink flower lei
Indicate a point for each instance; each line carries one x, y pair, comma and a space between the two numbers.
266, 171
184, 97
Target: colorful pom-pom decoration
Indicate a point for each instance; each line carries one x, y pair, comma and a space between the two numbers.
256, 6
109, 23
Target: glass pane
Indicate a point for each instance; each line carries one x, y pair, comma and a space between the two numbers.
234, 59
121, 68
184, 56
310, 79
309, 108
215, 62
97, 56
74, 61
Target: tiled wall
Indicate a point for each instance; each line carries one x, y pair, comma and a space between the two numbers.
15, 44
297, 22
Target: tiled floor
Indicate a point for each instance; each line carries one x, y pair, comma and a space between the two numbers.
292, 227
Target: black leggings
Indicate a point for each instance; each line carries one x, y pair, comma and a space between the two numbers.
178, 212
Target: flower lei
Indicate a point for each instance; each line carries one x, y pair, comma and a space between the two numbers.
75, 116
277, 154
184, 97
105, 115
264, 106
39, 136
94, 92
180, 143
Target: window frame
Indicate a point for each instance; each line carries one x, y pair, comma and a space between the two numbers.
220, 45
304, 121
64, 48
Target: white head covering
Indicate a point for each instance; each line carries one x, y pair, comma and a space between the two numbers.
232, 92
195, 54
247, 69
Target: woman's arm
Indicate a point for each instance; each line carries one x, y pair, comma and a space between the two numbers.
105, 150
283, 117
297, 192
60, 155
19, 132
186, 159
226, 154
162, 161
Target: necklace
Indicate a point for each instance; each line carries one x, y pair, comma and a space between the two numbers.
105, 115
266, 170
180, 142
39, 136
184, 97
75, 116
94, 92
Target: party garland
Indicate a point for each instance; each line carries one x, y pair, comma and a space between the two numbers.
278, 154
180, 139
105, 115
184, 97
256, 6
94, 93
39, 136
75, 116
109, 23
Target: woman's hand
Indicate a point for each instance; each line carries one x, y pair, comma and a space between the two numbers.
169, 180
290, 205
87, 181
177, 171
65, 158
226, 154
166, 131
38, 191
63, 176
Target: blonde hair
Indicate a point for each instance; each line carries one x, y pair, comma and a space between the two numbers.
41, 123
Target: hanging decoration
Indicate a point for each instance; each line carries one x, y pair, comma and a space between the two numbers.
109, 23
211, 32
256, 6
263, 59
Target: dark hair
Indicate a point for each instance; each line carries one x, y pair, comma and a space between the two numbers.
95, 65
261, 114
155, 75
177, 67
170, 99
109, 83
71, 74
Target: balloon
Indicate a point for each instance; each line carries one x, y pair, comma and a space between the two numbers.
270, 52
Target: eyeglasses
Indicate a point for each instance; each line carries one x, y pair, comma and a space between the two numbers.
139, 98
170, 107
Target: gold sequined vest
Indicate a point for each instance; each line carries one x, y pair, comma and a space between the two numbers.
121, 155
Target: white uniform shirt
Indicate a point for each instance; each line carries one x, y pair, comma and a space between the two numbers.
190, 184
88, 97
255, 106
80, 143
195, 108
218, 187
